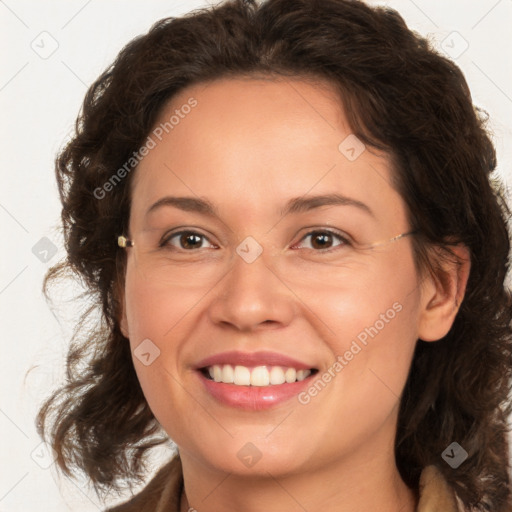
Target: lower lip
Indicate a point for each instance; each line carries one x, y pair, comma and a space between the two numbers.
255, 398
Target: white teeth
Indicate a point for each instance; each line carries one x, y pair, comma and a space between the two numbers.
242, 376
260, 376
257, 376
290, 375
277, 375
301, 374
228, 375
217, 373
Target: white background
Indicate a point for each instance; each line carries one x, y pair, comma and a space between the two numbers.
39, 101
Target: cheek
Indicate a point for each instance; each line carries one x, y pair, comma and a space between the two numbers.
373, 339
156, 310
158, 328
375, 328
163, 317
379, 299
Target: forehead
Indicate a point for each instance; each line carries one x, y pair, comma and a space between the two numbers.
262, 108
260, 141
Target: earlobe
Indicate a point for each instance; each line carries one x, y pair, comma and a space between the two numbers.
123, 320
443, 293
123, 323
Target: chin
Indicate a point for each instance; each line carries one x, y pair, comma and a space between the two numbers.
259, 457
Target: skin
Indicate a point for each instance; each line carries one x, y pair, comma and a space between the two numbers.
248, 147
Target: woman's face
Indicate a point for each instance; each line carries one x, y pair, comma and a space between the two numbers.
264, 280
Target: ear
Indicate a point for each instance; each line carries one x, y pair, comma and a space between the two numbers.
442, 294
123, 321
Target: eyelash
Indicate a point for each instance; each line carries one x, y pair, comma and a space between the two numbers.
344, 240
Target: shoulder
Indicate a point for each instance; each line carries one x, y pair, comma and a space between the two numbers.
161, 493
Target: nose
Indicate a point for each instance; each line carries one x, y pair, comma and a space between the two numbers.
251, 297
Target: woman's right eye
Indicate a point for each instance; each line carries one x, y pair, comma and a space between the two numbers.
185, 241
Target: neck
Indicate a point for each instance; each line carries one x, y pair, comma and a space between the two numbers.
342, 486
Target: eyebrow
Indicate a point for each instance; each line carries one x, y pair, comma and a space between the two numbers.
306, 203
188, 204
294, 205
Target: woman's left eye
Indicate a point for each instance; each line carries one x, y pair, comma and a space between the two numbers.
324, 240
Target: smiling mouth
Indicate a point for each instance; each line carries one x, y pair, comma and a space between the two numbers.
258, 376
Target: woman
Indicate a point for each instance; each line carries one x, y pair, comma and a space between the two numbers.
286, 215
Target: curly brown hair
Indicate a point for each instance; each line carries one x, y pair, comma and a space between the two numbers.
399, 95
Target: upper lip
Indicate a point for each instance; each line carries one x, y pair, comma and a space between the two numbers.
263, 358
